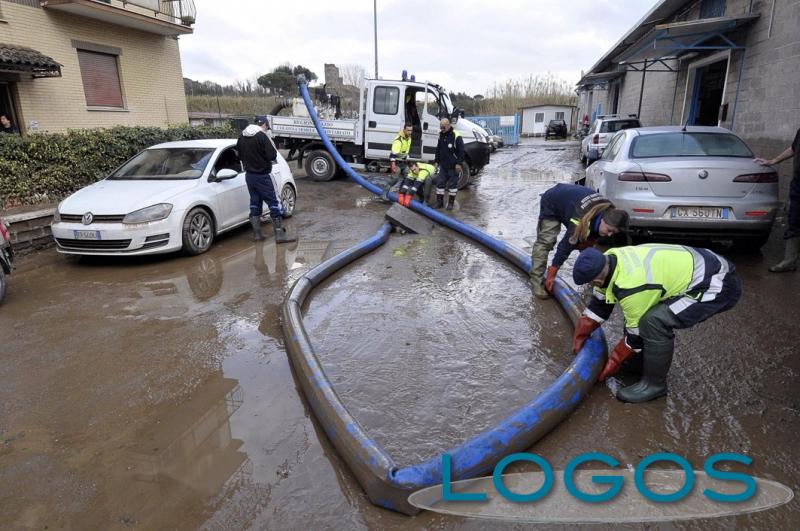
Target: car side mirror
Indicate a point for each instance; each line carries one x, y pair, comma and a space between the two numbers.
225, 174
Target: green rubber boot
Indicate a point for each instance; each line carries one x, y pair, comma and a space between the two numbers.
538, 266
657, 360
789, 262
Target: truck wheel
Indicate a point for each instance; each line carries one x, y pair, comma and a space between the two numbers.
466, 176
320, 166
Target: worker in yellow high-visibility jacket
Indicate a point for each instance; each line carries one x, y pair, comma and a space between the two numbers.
398, 159
418, 181
659, 288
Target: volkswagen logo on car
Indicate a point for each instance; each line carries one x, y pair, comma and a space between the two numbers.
88, 218
703, 174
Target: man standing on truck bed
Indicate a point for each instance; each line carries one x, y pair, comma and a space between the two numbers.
398, 159
257, 153
449, 156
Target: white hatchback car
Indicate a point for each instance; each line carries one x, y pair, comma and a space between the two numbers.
172, 196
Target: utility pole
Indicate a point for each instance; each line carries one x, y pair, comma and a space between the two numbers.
375, 24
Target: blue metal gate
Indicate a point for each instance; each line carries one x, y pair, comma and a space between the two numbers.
504, 126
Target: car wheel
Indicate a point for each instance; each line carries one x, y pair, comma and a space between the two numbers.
288, 199
466, 176
750, 244
320, 166
198, 231
3, 284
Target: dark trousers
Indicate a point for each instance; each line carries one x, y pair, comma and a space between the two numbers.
422, 189
793, 219
394, 178
657, 325
261, 189
448, 180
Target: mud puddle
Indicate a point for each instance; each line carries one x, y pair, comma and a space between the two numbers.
432, 340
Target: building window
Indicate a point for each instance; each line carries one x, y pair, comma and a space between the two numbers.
559, 116
538, 117
100, 74
712, 8
386, 100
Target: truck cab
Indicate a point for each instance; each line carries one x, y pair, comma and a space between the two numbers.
365, 141
391, 104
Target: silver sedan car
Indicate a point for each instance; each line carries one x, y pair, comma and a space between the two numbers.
692, 182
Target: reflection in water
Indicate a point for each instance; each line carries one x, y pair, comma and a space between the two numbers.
189, 454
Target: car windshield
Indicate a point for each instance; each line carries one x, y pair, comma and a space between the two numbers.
680, 144
165, 163
618, 125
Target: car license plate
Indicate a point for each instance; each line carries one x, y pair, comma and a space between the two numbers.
87, 234
700, 212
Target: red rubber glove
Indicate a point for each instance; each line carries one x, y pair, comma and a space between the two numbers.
550, 278
583, 329
393, 167
621, 352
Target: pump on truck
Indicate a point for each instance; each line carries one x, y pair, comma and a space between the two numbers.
365, 140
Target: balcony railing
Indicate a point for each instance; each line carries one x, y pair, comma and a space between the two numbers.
168, 17
182, 12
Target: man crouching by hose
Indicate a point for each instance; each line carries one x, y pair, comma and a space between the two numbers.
257, 153
449, 157
659, 288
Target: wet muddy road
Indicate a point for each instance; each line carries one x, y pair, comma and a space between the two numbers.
155, 393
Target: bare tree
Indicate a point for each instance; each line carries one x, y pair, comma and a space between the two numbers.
352, 74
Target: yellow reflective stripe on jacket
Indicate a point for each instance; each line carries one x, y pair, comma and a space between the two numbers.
401, 147
423, 171
646, 275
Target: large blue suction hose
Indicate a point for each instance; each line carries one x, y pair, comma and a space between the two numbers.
386, 484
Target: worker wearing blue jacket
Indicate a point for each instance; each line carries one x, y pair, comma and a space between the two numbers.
587, 216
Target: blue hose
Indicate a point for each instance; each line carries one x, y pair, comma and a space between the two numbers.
385, 484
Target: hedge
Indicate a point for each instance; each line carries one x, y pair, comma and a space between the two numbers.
46, 167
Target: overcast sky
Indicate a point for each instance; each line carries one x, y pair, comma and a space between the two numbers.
465, 45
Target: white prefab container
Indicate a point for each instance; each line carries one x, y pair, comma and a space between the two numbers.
536, 118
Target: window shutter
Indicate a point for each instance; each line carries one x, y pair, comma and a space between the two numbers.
100, 79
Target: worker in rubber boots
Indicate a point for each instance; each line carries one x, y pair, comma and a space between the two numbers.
449, 159
398, 159
419, 181
792, 233
659, 288
587, 216
258, 153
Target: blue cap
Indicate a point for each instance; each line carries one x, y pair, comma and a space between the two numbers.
588, 265
262, 119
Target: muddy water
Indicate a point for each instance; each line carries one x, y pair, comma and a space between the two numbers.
156, 394
448, 336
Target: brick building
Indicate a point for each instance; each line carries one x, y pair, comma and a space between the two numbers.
92, 63
733, 63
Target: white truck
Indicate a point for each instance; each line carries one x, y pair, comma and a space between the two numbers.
365, 142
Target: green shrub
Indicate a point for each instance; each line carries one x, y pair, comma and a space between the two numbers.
46, 167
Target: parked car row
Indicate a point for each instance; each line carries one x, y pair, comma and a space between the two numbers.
495, 141
556, 129
602, 130
689, 182
169, 197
